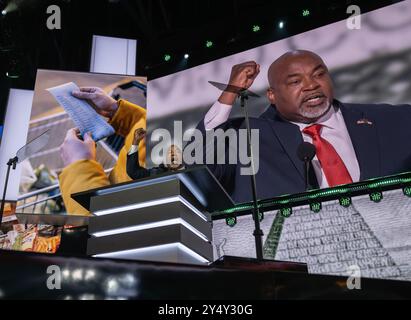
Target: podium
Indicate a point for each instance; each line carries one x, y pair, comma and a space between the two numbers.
163, 218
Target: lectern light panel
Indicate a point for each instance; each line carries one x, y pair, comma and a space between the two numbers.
147, 239
152, 225
168, 252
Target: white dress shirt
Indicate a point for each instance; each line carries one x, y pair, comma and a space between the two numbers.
334, 131
133, 149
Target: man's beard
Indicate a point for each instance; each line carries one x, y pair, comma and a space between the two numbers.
315, 112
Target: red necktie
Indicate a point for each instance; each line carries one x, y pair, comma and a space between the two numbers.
334, 168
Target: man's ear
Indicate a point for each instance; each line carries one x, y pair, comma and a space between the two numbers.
271, 95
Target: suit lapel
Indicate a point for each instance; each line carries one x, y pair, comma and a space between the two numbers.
364, 138
288, 135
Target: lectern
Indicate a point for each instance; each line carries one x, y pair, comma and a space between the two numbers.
162, 218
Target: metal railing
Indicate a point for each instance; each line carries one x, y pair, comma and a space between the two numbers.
41, 198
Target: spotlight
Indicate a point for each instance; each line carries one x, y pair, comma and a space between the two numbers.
232, 221
376, 196
315, 207
306, 13
209, 44
345, 201
281, 24
12, 75
4, 12
256, 28
186, 56
167, 57
286, 212
407, 191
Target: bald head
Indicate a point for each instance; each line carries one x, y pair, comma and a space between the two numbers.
285, 60
300, 86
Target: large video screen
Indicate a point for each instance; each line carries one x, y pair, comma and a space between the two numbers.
369, 65
370, 69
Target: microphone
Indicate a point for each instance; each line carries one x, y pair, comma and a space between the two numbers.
306, 152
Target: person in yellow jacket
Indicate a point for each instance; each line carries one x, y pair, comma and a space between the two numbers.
81, 170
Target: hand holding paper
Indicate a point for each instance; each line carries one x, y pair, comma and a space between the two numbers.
83, 115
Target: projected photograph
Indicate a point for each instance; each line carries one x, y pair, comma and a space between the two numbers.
54, 114
369, 68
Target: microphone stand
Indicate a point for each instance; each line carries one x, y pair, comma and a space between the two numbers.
258, 233
306, 172
10, 164
244, 94
23, 153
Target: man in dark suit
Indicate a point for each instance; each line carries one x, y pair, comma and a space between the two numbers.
353, 141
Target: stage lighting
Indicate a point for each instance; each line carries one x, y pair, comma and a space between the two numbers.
12, 75
232, 221
209, 44
407, 191
345, 201
376, 196
186, 56
256, 28
315, 207
167, 57
260, 216
4, 12
306, 13
286, 212
281, 24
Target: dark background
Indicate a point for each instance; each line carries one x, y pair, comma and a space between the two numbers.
161, 26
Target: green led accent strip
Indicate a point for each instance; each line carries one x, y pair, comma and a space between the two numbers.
359, 188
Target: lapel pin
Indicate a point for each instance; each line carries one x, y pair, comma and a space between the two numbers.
364, 121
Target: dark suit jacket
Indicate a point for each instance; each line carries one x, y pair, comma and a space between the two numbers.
135, 171
382, 147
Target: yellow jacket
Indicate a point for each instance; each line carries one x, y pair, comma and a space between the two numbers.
84, 175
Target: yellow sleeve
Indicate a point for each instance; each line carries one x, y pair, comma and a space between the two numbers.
127, 119
80, 176
127, 115
88, 174
119, 172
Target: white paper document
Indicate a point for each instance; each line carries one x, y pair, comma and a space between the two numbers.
83, 115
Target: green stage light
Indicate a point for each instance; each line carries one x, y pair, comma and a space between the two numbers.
306, 13
256, 28
12, 75
315, 206
209, 44
345, 201
376, 196
407, 191
231, 222
286, 212
167, 57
